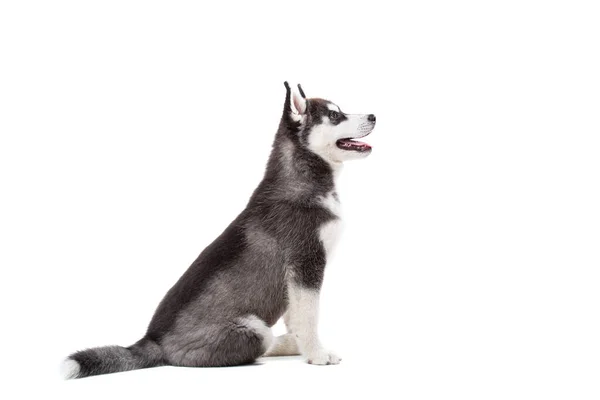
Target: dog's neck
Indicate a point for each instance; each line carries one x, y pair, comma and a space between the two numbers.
294, 173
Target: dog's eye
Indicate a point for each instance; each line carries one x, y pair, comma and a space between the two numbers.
334, 115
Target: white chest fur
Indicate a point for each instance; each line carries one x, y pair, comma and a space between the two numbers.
331, 231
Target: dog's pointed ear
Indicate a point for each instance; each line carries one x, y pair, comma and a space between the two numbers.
287, 107
299, 102
295, 105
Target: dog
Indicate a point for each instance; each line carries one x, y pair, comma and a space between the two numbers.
267, 264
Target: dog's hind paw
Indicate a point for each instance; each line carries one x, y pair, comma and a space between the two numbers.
323, 357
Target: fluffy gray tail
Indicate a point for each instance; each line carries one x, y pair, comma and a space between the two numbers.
109, 359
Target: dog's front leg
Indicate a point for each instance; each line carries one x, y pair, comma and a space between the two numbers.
303, 314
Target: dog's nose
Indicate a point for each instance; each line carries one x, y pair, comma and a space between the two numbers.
371, 117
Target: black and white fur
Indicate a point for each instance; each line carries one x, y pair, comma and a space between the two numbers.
267, 264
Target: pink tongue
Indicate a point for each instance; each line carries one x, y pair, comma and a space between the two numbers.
355, 143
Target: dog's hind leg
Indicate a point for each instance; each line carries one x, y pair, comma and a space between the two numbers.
236, 342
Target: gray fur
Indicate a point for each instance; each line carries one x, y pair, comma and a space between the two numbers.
220, 311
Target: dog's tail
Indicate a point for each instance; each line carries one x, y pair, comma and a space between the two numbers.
106, 360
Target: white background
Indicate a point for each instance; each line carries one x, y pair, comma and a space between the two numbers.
133, 132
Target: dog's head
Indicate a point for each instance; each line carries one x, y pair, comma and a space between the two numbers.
324, 129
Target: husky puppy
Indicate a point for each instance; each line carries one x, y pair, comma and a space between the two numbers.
268, 263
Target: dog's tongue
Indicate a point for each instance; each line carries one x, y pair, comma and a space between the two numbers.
353, 144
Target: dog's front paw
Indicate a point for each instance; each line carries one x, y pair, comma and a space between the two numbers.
323, 357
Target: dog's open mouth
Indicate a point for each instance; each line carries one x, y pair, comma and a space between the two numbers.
351, 144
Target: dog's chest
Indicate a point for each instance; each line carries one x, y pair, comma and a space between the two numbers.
330, 231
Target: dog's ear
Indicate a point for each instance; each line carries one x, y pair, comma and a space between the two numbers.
299, 102
287, 94
295, 104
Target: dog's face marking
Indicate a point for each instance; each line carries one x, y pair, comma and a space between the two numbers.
329, 132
